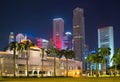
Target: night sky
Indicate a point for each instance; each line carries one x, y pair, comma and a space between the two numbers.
35, 17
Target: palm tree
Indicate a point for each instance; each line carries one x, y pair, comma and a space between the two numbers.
14, 46
26, 47
42, 54
68, 54
21, 48
53, 52
116, 59
98, 60
104, 52
91, 59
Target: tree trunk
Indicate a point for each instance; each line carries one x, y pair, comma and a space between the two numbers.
27, 62
54, 66
116, 72
66, 67
104, 68
91, 69
42, 67
97, 69
14, 62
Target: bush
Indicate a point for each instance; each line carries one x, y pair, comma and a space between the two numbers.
1, 78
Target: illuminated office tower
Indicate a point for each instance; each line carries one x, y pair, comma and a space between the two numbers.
42, 43
106, 38
39, 42
50, 43
78, 33
11, 37
67, 40
19, 37
58, 30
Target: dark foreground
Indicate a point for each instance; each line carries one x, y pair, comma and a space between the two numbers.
63, 79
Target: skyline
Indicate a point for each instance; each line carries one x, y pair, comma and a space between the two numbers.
36, 18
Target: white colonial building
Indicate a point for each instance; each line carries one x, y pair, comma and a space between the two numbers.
35, 64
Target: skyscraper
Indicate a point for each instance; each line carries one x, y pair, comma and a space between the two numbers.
19, 37
106, 38
11, 37
58, 30
67, 40
50, 43
78, 34
39, 42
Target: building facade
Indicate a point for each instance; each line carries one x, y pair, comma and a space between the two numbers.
67, 40
78, 34
42, 43
19, 37
106, 38
11, 37
86, 54
35, 67
51, 44
58, 31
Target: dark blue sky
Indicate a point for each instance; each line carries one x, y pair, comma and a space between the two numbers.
35, 17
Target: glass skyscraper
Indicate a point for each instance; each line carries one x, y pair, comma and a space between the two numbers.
106, 38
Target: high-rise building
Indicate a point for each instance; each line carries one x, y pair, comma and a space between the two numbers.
19, 37
39, 42
50, 44
67, 40
58, 30
42, 43
11, 37
106, 38
86, 54
78, 33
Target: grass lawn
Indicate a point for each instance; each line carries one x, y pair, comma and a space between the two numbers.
63, 79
